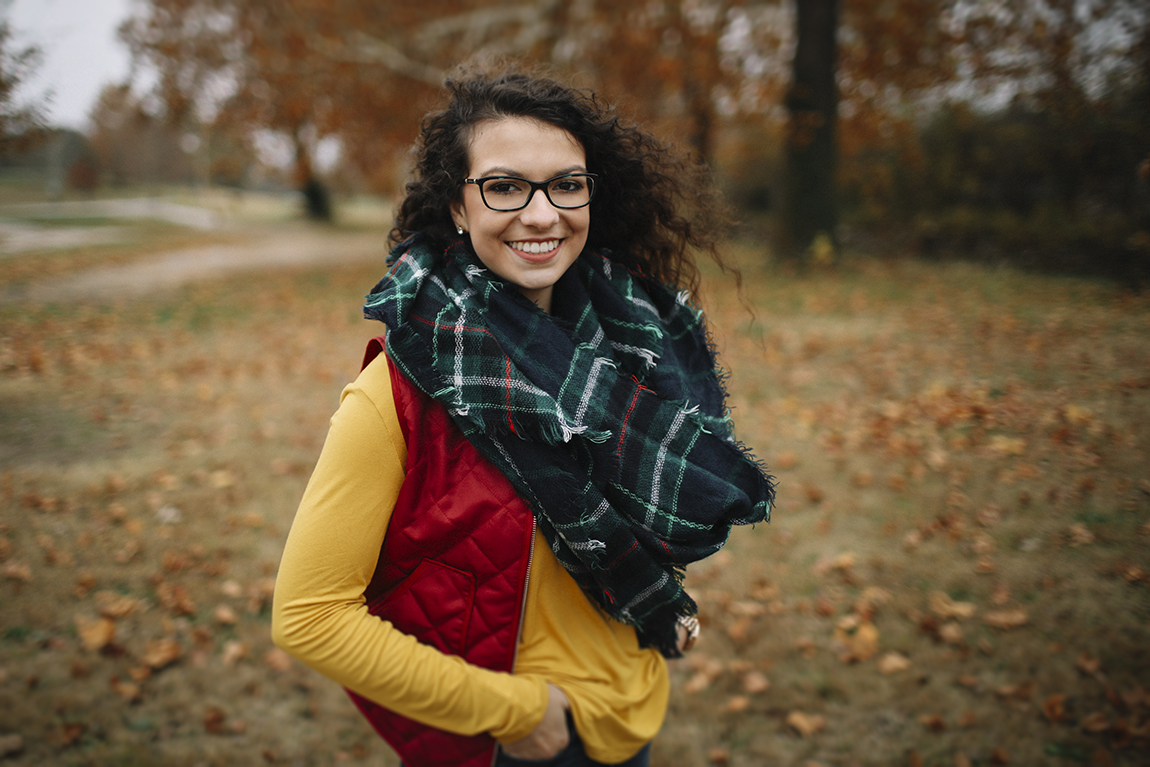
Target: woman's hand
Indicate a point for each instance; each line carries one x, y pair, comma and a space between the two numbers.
688, 633
550, 736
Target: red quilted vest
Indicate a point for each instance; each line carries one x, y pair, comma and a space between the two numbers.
453, 568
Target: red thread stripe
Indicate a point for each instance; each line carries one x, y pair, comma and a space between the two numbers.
627, 420
616, 560
441, 326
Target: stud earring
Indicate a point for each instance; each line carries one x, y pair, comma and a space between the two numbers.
459, 229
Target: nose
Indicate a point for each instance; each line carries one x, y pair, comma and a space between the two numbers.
539, 213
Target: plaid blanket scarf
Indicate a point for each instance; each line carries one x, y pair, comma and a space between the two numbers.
607, 416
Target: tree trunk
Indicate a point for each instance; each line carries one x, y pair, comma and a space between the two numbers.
811, 211
317, 203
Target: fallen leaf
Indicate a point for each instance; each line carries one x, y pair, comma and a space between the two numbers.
1095, 723
858, 639
962, 760
1080, 535
233, 652
214, 719
806, 646
225, 615
1078, 415
85, 582
129, 691
737, 704
278, 660
1054, 708
983, 544
932, 722
698, 682
747, 608
870, 600
1007, 445
1016, 691
160, 653
96, 634
968, 719
176, 561
174, 599
951, 633
944, 607
989, 516
892, 663
755, 682
222, 478
1005, 620
114, 605
1134, 574
806, 724
844, 561
70, 733
740, 630
719, 756
18, 571
999, 756
128, 552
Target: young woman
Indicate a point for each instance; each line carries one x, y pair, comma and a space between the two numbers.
489, 554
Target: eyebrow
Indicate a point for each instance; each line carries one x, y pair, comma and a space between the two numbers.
500, 171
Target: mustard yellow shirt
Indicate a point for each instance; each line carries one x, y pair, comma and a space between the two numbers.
618, 691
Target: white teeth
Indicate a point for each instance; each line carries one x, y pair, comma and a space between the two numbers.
535, 247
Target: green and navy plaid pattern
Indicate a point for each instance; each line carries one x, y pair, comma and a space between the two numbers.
608, 416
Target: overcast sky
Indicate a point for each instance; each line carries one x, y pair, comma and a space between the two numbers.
80, 51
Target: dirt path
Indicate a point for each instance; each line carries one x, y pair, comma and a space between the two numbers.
288, 245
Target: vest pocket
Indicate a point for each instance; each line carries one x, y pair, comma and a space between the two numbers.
433, 604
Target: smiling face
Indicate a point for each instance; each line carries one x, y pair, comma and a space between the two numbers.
530, 248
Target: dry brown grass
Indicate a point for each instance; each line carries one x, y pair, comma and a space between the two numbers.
959, 450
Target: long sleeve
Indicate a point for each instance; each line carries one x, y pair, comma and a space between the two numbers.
319, 613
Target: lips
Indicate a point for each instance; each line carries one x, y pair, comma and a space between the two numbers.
535, 248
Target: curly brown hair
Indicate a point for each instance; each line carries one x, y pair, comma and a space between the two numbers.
652, 209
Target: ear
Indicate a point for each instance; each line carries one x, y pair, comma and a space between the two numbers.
459, 214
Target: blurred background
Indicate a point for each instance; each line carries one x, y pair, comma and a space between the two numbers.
1013, 130
939, 346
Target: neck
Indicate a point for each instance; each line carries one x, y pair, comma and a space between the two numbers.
541, 297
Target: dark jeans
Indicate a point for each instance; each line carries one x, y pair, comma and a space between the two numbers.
573, 756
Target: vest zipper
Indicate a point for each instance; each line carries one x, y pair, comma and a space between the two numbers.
522, 613
526, 584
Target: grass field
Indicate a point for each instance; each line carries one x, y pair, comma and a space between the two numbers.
957, 571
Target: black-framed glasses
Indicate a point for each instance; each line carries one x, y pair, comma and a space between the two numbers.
508, 193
